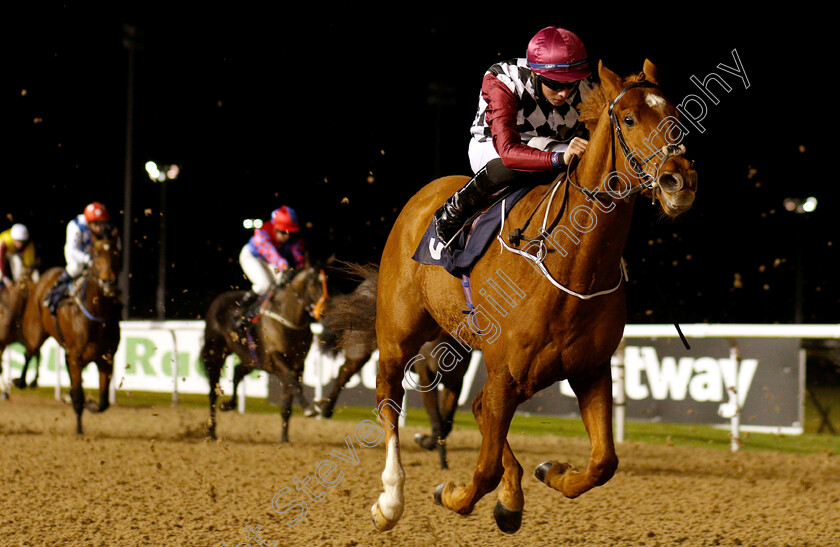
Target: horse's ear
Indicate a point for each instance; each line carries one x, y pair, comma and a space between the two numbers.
610, 81
651, 72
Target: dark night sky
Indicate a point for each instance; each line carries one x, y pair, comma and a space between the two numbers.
262, 109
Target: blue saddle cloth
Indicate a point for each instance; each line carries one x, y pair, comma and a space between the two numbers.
460, 261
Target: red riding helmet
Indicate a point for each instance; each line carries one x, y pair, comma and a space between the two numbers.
285, 219
96, 211
558, 54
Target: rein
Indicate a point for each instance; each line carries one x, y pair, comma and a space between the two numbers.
80, 302
315, 313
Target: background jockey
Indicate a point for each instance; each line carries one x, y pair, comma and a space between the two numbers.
272, 253
526, 128
77, 248
19, 251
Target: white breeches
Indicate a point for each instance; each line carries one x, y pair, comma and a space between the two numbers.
75, 268
259, 272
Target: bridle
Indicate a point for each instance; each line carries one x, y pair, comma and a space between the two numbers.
646, 180
313, 309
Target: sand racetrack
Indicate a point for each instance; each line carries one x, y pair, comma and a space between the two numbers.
148, 477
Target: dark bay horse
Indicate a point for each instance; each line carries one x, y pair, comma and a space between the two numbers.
282, 338
571, 310
348, 323
86, 325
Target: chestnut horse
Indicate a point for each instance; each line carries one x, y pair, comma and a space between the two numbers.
570, 273
86, 325
12, 303
349, 327
282, 338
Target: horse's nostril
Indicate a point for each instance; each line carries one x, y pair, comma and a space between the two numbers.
671, 182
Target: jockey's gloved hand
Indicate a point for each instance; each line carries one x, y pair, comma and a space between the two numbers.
5, 281
286, 276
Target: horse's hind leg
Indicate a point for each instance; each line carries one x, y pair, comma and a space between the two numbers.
435, 441
493, 407
34, 382
239, 372
594, 395
351, 366
106, 369
20, 382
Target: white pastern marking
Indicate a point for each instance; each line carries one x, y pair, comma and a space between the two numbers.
391, 501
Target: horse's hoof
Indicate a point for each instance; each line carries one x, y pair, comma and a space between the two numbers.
4, 396
324, 407
381, 523
546, 472
33, 384
541, 470
19, 383
310, 411
439, 494
425, 441
226, 407
508, 521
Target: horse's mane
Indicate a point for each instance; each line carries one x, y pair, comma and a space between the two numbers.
597, 101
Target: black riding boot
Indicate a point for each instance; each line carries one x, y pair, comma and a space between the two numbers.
462, 205
57, 292
247, 311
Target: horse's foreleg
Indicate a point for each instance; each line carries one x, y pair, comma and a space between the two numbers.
389, 397
307, 408
594, 395
286, 407
213, 367
77, 393
493, 407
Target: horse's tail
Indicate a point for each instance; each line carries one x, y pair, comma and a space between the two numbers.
355, 311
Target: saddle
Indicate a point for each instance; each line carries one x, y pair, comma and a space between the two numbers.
462, 254
64, 288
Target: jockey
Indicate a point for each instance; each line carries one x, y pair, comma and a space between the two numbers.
272, 253
526, 129
15, 247
77, 248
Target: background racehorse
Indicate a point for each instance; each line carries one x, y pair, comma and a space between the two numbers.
349, 327
86, 324
572, 308
12, 303
281, 339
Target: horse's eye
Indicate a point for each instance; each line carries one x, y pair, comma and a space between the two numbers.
629, 121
